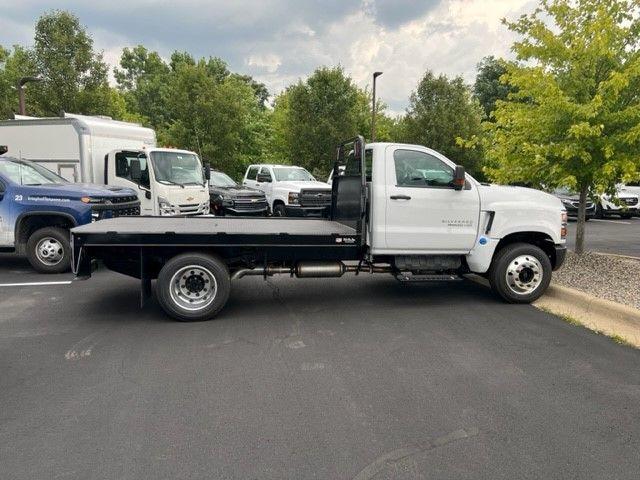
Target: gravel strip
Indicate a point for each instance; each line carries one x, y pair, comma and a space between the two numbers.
607, 277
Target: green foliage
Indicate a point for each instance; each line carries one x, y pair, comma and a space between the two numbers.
574, 117
440, 111
488, 88
310, 118
15, 64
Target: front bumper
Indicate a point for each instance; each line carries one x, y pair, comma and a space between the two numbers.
298, 211
560, 255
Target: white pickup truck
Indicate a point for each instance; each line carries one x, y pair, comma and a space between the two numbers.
291, 191
398, 209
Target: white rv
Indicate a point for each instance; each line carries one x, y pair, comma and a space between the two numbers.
100, 150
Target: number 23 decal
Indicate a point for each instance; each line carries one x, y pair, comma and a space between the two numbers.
18, 198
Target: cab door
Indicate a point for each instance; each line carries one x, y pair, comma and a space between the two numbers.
7, 217
118, 173
424, 212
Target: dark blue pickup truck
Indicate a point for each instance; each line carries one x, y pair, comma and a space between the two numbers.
38, 207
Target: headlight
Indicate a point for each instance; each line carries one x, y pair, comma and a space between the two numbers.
293, 198
165, 206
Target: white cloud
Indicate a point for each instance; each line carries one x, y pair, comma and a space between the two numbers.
280, 41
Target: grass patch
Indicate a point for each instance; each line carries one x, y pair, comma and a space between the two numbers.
577, 323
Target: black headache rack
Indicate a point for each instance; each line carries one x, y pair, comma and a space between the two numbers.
137, 246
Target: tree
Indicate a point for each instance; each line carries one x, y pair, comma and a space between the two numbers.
488, 88
440, 111
574, 117
14, 65
75, 77
310, 118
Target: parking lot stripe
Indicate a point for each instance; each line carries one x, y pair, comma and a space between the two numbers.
609, 221
34, 284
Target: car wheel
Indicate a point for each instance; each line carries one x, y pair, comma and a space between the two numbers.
520, 273
279, 210
626, 216
193, 287
49, 250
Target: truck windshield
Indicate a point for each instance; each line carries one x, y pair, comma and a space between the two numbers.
292, 174
177, 168
24, 172
220, 179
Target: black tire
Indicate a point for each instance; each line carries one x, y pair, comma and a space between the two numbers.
626, 216
49, 250
503, 262
279, 210
212, 268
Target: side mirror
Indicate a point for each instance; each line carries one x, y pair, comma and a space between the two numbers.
3, 149
263, 178
207, 172
134, 170
459, 178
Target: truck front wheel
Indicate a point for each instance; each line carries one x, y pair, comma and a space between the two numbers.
49, 250
520, 273
193, 287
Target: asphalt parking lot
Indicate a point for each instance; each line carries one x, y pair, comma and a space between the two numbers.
357, 378
610, 235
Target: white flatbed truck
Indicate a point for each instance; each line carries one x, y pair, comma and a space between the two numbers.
398, 209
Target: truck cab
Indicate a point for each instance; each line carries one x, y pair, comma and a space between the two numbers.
169, 182
291, 191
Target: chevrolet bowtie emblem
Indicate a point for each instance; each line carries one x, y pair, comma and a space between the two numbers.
189, 199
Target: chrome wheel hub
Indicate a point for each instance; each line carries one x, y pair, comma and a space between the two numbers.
193, 287
524, 274
49, 251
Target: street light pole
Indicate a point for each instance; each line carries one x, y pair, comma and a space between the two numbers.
373, 107
21, 83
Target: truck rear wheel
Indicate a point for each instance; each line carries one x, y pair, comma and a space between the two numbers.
520, 273
193, 287
49, 250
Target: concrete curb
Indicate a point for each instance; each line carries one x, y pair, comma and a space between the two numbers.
602, 316
610, 318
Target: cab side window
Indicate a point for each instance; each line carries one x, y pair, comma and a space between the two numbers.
252, 173
420, 169
123, 167
265, 171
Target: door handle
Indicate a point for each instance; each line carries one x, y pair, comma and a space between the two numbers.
400, 197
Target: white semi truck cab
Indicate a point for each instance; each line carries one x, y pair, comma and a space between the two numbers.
169, 182
89, 149
404, 210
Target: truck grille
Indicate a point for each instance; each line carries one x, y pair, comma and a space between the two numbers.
630, 201
189, 208
249, 204
117, 207
589, 205
314, 198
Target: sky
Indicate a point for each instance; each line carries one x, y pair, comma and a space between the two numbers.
281, 41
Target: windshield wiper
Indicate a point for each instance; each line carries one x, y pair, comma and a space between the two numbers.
171, 183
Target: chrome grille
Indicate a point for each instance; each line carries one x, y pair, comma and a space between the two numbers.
188, 208
630, 201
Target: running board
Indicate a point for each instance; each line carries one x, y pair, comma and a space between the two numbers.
436, 277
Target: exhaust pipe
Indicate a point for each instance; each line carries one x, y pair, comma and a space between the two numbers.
311, 269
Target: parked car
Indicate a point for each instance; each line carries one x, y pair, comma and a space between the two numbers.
38, 208
291, 191
632, 188
229, 198
571, 201
625, 204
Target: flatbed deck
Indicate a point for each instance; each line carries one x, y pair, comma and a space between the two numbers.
215, 231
